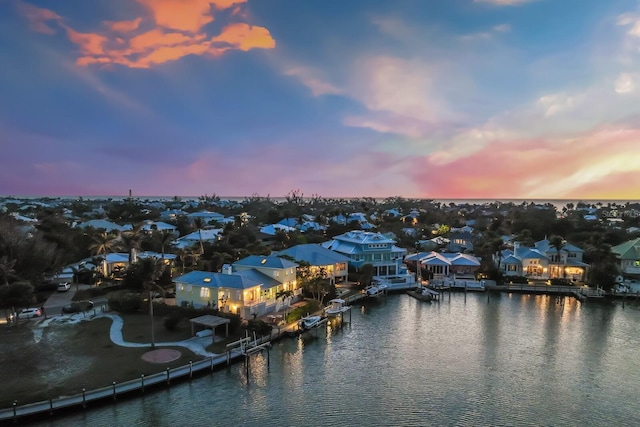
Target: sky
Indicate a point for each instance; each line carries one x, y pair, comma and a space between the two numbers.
437, 99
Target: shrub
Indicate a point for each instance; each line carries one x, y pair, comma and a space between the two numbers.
259, 327
311, 306
125, 302
171, 322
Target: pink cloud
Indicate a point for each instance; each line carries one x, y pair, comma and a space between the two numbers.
591, 165
38, 18
123, 26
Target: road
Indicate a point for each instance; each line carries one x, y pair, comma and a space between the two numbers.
57, 300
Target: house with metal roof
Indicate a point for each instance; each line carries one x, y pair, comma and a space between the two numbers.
103, 224
194, 238
366, 247
335, 265
628, 255
250, 286
543, 262
437, 265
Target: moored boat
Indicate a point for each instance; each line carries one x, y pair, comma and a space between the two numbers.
309, 322
336, 306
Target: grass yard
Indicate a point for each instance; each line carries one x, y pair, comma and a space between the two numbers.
38, 364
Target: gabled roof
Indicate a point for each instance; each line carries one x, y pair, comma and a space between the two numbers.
314, 254
271, 229
258, 276
363, 237
289, 222
628, 250
206, 215
265, 262
511, 260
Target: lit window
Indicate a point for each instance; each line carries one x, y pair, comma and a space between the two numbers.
205, 292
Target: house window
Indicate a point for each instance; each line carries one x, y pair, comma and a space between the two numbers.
181, 287
188, 288
205, 292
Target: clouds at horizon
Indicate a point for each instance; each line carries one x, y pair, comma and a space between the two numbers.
470, 99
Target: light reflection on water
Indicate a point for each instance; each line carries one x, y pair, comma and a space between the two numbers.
468, 360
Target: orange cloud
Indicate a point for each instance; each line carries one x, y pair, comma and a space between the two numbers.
185, 15
123, 26
38, 18
89, 43
245, 37
157, 37
179, 32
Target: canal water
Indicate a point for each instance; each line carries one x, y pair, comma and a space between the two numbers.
467, 361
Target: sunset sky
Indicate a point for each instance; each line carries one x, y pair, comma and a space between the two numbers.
439, 99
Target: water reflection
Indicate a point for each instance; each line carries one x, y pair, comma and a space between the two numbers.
508, 360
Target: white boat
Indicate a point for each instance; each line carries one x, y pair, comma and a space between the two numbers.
309, 322
375, 290
336, 306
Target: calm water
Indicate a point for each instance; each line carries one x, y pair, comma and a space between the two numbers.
515, 360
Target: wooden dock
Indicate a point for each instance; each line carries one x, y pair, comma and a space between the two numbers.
236, 352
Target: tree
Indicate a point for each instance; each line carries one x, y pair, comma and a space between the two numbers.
558, 243
150, 269
102, 244
165, 237
313, 280
131, 240
199, 224
6, 268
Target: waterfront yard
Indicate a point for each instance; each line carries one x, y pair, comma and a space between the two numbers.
62, 358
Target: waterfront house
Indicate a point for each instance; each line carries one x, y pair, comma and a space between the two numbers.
544, 262
366, 247
335, 265
250, 286
436, 265
628, 256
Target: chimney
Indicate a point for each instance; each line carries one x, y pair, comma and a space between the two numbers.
227, 269
516, 246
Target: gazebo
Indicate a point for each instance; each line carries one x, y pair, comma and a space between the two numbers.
209, 321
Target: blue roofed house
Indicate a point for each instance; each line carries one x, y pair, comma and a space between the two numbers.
335, 264
248, 287
367, 247
542, 262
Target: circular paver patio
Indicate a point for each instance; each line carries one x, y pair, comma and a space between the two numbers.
163, 355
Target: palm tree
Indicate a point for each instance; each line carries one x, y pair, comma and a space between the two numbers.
181, 253
165, 237
131, 240
284, 295
199, 224
150, 269
558, 243
103, 243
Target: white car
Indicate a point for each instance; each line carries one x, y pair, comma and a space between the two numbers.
64, 287
28, 313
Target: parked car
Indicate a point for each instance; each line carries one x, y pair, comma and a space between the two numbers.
77, 307
29, 313
64, 287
